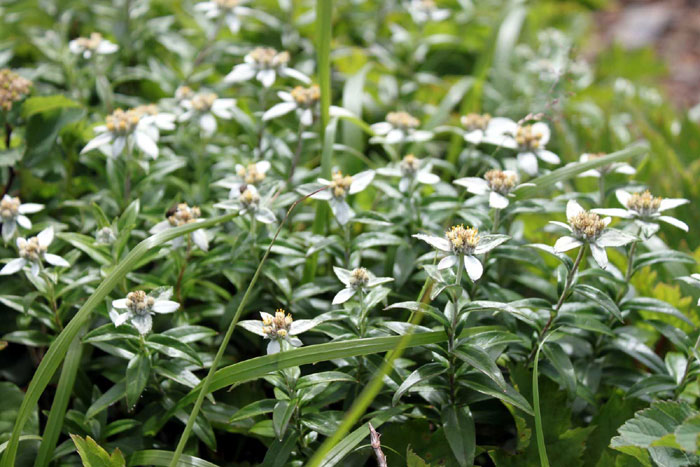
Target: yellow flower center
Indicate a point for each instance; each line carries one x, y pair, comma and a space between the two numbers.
267, 57
30, 249
143, 110
203, 101
500, 181
475, 121
90, 43
249, 198
227, 4
183, 214
277, 325
644, 203
306, 97
9, 207
12, 88
587, 225
139, 303
463, 240
340, 184
410, 164
359, 278
123, 122
527, 138
402, 120
250, 174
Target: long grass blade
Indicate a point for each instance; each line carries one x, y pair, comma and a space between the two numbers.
57, 351
157, 457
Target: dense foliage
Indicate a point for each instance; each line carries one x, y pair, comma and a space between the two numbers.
254, 233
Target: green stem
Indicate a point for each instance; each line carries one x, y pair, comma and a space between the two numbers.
452, 332
539, 432
601, 190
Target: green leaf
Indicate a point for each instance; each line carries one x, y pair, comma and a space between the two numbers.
40, 104
161, 458
556, 355
483, 384
137, 374
279, 451
281, 415
458, 426
419, 375
653, 305
42, 130
570, 171
663, 256
413, 460
113, 395
323, 377
259, 407
600, 298
93, 455
353, 91
482, 362
173, 348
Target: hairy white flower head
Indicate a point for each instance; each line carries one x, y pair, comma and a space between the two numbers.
356, 281
497, 184
12, 213
203, 107
183, 214
125, 129
33, 251
140, 308
399, 127
264, 64
339, 188
528, 140
94, 44
410, 169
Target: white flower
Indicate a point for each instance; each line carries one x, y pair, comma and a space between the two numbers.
12, 212
278, 328
616, 167
410, 169
124, 128
106, 236
231, 10
339, 188
33, 251
264, 64
475, 126
152, 120
359, 279
527, 140
425, 10
203, 107
95, 44
497, 184
183, 214
252, 174
141, 307
247, 201
465, 243
302, 100
399, 127
646, 210
588, 227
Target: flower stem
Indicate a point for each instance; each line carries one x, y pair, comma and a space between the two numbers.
496, 220
453, 331
181, 274
297, 153
10, 169
601, 190
562, 297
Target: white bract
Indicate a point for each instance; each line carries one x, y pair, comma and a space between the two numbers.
123, 130
410, 169
587, 227
423, 11
463, 243
140, 308
252, 174
247, 201
339, 188
475, 127
357, 280
497, 184
204, 107
89, 46
646, 210
154, 121
183, 215
399, 127
229, 10
12, 213
302, 100
616, 167
278, 328
527, 140
33, 251
264, 64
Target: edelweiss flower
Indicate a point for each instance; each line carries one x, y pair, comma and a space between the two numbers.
339, 188
359, 279
33, 251
95, 44
252, 174
498, 184
265, 63
410, 169
231, 10
204, 106
616, 167
278, 328
301, 99
122, 129
106, 236
13, 88
528, 140
646, 210
588, 227
400, 127
475, 126
183, 214
12, 212
141, 308
153, 120
247, 201
463, 242
423, 11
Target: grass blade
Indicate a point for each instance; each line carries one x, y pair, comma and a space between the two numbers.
157, 457
57, 351
539, 432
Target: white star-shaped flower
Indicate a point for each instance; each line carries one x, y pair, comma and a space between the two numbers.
12, 213
359, 279
265, 64
33, 251
339, 188
247, 200
411, 170
140, 308
527, 140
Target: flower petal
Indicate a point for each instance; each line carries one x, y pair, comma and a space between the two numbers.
497, 200
599, 255
623, 197
13, 266
427, 178
670, 203
448, 262
489, 242
199, 238
242, 72
295, 74
253, 325
566, 243
615, 212
341, 210
146, 144
440, 243
674, 222
96, 142
343, 296
614, 237
277, 110
45, 237
474, 267
23, 221
30, 208
273, 347
548, 156
360, 181
165, 306
527, 162
56, 260
142, 323
573, 209
474, 185
120, 304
